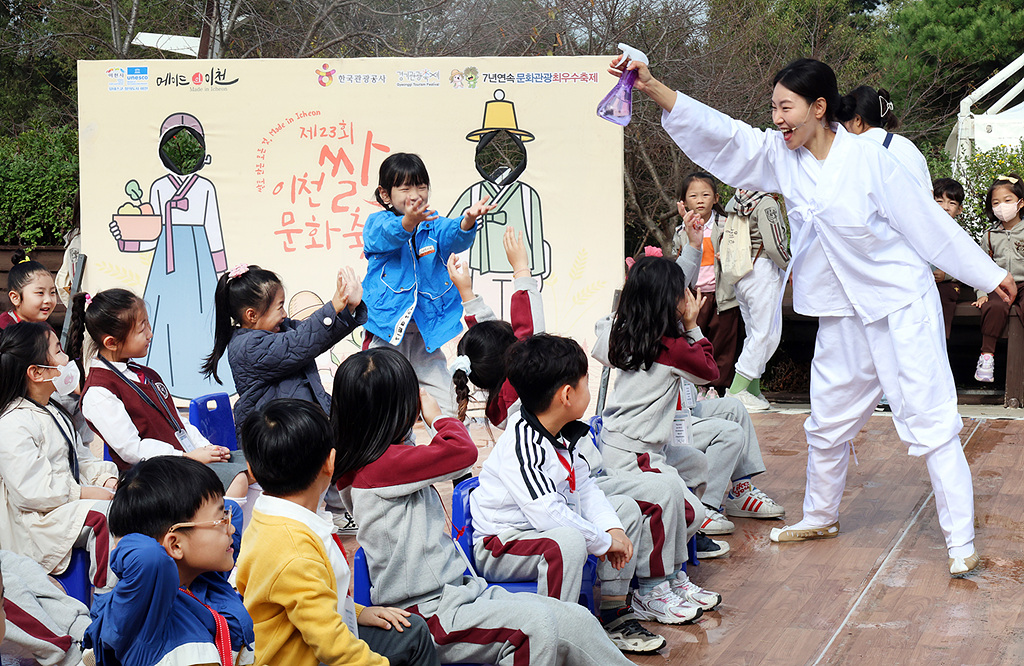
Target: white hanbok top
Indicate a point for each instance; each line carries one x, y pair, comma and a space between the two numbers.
863, 229
904, 150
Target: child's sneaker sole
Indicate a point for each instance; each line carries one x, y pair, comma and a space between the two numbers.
627, 635
788, 534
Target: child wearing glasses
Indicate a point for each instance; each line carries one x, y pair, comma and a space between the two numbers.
178, 541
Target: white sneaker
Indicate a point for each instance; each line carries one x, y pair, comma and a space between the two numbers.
343, 520
715, 522
751, 401
986, 370
662, 605
795, 533
687, 590
747, 501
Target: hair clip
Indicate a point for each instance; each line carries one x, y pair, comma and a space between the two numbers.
1009, 179
88, 300
884, 106
461, 363
239, 270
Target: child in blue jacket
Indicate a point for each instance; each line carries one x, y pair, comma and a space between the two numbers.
172, 604
412, 303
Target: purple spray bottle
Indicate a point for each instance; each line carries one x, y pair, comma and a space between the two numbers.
617, 106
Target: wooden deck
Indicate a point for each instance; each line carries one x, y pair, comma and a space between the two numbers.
880, 592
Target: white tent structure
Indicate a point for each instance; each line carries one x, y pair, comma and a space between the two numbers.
996, 126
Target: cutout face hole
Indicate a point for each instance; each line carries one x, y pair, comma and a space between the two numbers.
500, 155
182, 151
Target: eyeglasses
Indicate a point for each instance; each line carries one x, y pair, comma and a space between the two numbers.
225, 520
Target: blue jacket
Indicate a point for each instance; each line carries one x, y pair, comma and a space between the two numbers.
407, 278
146, 618
268, 365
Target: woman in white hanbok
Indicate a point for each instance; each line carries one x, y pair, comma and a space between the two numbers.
863, 234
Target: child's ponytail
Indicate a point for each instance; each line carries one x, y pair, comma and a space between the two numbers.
110, 313
240, 288
461, 382
485, 345
222, 329
76, 331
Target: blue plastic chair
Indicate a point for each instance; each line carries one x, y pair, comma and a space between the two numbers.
75, 579
211, 415
596, 425
462, 532
361, 583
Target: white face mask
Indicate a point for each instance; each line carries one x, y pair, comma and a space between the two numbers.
67, 381
1005, 212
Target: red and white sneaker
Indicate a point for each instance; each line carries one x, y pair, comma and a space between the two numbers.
746, 501
695, 594
715, 522
663, 605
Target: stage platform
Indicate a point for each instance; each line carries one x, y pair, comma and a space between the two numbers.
878, 593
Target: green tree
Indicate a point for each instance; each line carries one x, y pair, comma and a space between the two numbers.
931, 53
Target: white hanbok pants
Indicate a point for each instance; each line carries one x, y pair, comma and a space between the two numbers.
904, 356
757, 293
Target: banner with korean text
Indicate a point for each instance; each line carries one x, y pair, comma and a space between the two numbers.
191, 167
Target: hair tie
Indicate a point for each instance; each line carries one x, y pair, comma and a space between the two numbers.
1008, 179
27, 258
239, 270
652, 251
884, 106
461, 363
88, 301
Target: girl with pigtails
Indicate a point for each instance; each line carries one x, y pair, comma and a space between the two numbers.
270, 355
482, 348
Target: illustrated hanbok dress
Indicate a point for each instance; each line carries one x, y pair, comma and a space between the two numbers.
182, 280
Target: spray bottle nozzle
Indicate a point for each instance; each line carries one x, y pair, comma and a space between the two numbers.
632, 53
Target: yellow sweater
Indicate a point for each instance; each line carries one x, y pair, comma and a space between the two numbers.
289, 589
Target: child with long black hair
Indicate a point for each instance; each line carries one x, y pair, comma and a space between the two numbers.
272, 356
55, 493
414, 564
413, 305
128, 404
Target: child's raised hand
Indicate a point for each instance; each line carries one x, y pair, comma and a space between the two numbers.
384, 617
476, 210
621, 550
693, 224
515, 250
349, 291
459, 273
691, 308
428, 408
417, 213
